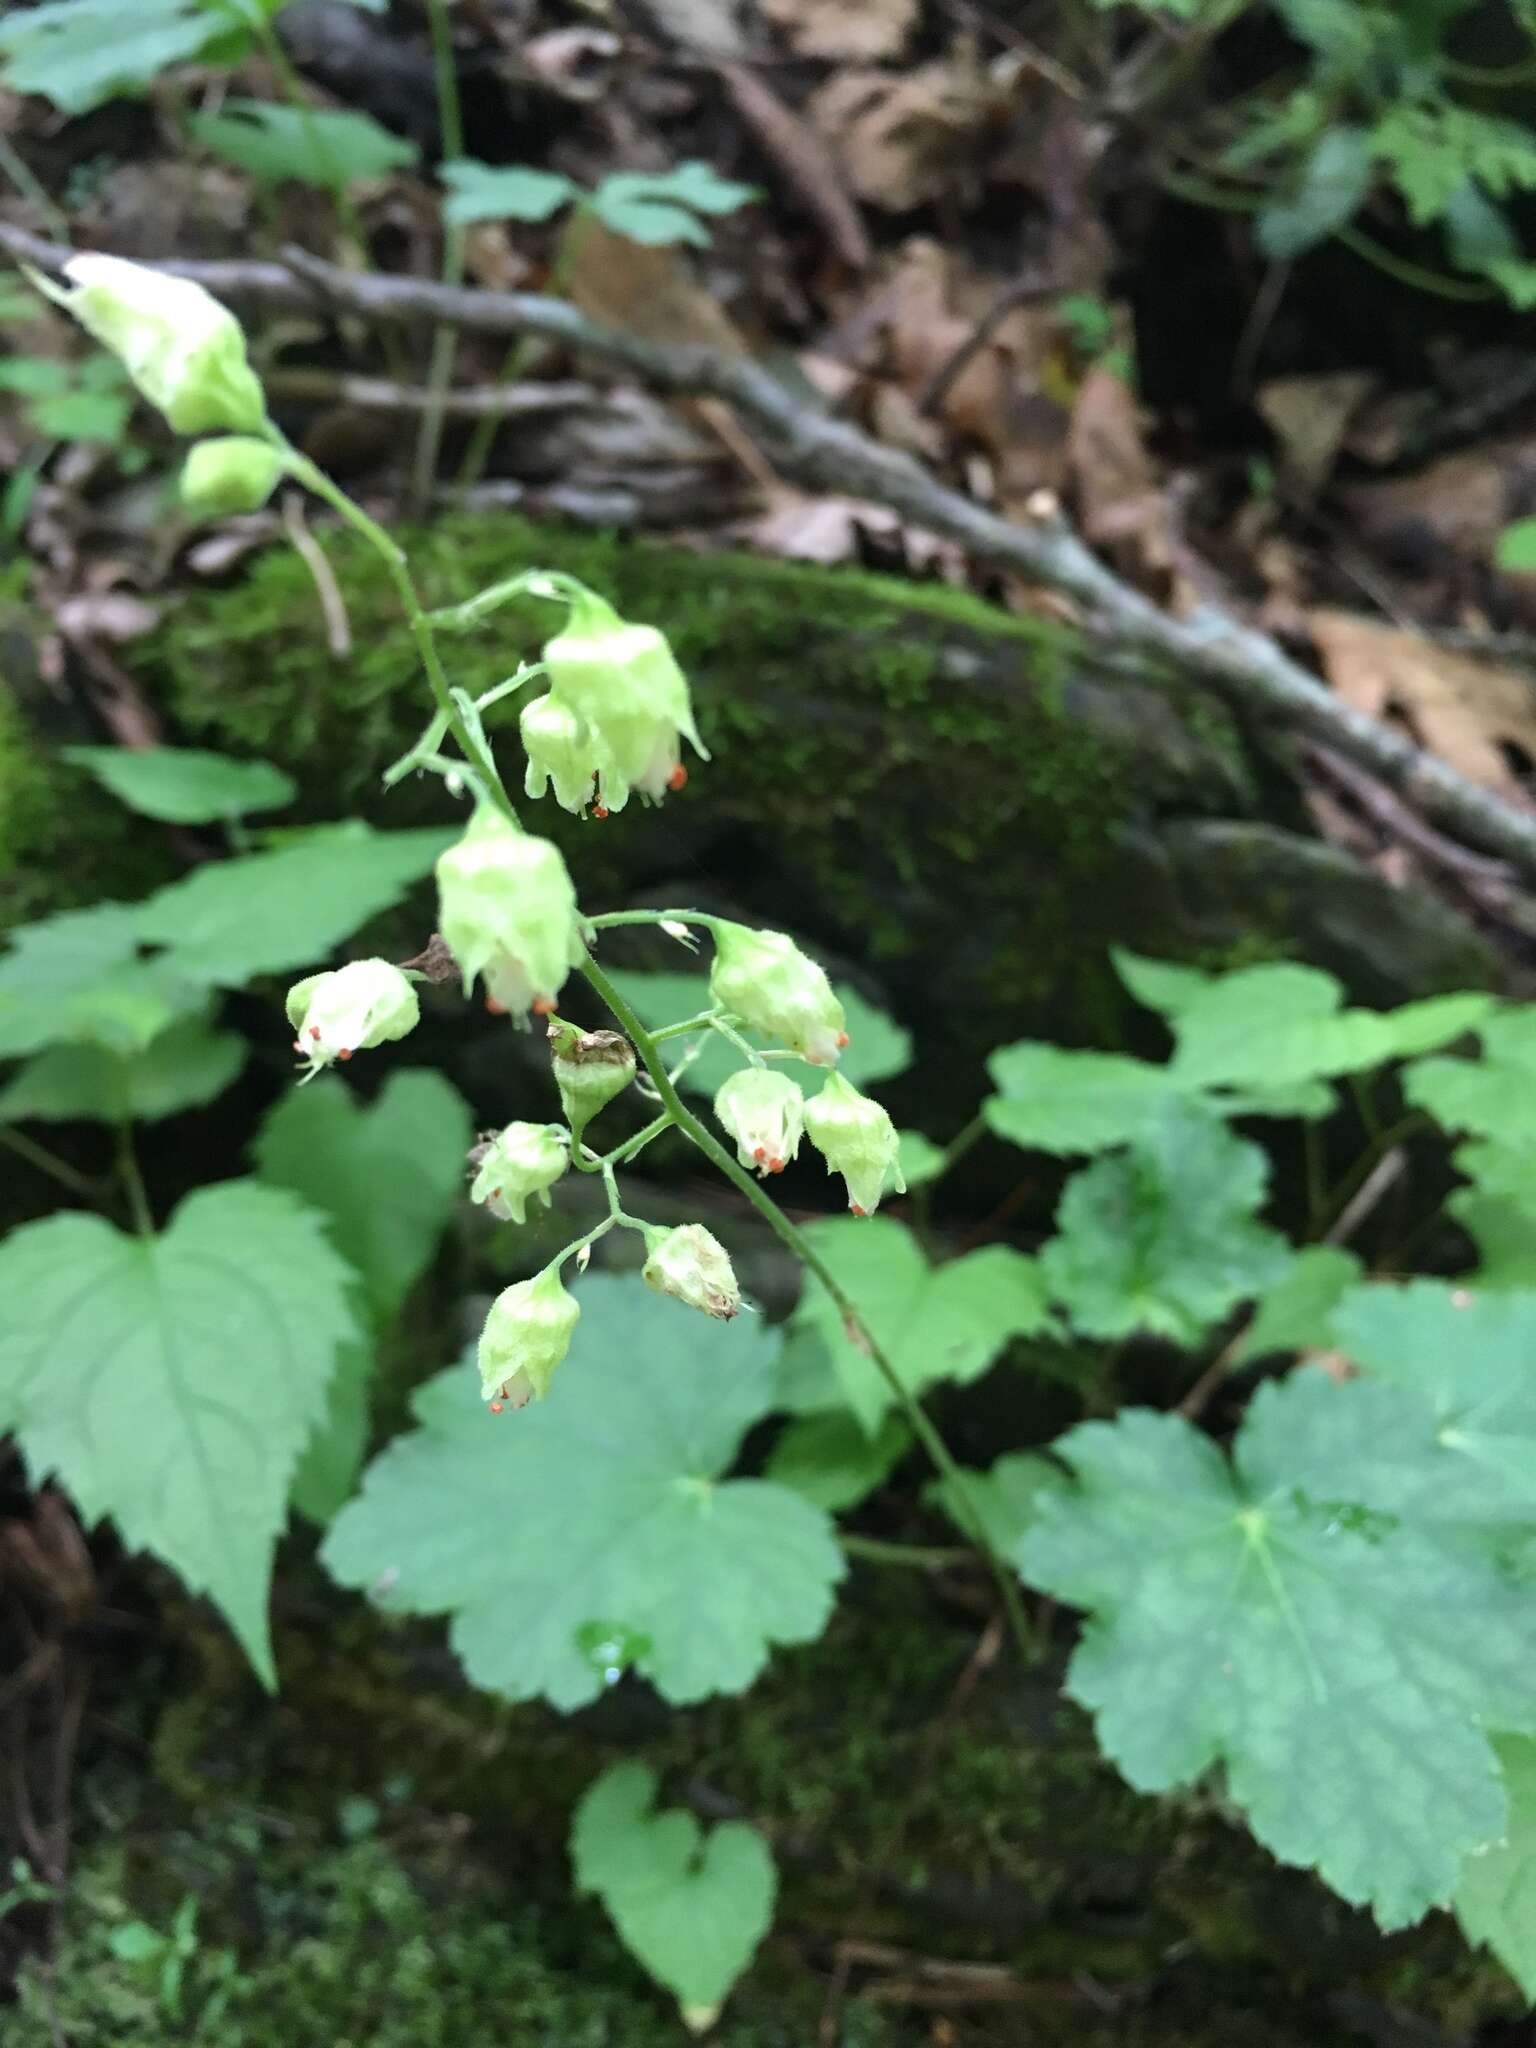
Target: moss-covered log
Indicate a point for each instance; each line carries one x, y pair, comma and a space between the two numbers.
969, 806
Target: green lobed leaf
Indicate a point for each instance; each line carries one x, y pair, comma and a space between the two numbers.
184, 785
1494, 1095
934, 1322
1004, 1500
386, 1178
920, 1160
79, 53
660, 210
81, 415
1344, 1666
78, 978
182, 1067
690, 1906
1296, 1312
877, 1047
267, 912
331, 148
171, 1382
593, 1530
1496, 1898
829, 1460
1335, 178
479, 191
1163, 1237
1051, 1100
1504, 1232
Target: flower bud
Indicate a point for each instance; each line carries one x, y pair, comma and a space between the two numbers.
763, 1112
523, 1161
561, 750
590, 1069
234, 473
526, 1335
623, 683
185, 351
507, 911
349, 1010
764, 978
858, 1140
694, 1266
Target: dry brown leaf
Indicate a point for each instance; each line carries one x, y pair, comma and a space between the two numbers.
1457, 706
1120, 506
904, 138
864, 32
650, 292
1460, 503
1310, 417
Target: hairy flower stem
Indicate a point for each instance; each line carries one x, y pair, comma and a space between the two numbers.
795, 1240
305, 472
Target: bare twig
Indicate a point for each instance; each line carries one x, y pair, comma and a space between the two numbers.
383, 394
1383, 1175
826, 453
338, 628
802, 156
1489, 881
1024, 291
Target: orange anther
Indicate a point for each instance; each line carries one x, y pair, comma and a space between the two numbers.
678, 779
345, 1053
759, 1151
857, 1210
775, 1166
543, 1006
497, 1406
495, 1009
842, 1040
314, 1030
599, 810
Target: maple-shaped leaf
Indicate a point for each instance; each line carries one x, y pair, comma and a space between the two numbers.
690, 1907
170, 1382
1496, 1898
933, 1322
594, 1529
1163, 1236
1343, 1664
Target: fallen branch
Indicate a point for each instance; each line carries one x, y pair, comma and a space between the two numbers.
815, 449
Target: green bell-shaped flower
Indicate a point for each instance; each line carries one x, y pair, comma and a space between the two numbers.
858, 1140
348, 1010
562, 751
184, 351
526, 1336
623, 683
519, 1164
764, 1113
233, 473
764, 978
507, 912
694, 1267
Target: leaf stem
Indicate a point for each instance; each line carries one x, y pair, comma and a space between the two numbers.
133, 1181
796, 1241
445, 338
921, 1557
50, 1163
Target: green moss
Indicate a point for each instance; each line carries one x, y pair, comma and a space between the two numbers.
380, 1857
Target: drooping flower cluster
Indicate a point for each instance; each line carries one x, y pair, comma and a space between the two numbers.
507, 911
518, 1165
858, 1140
763, 978
615, 716
350, 1009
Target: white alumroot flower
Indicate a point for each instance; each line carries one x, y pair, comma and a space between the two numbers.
526, 1336
184, 351
617, 712
507, 911
858, 1140
763, 1111
519, 1164
764, 978
348, 1010
693, 1266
